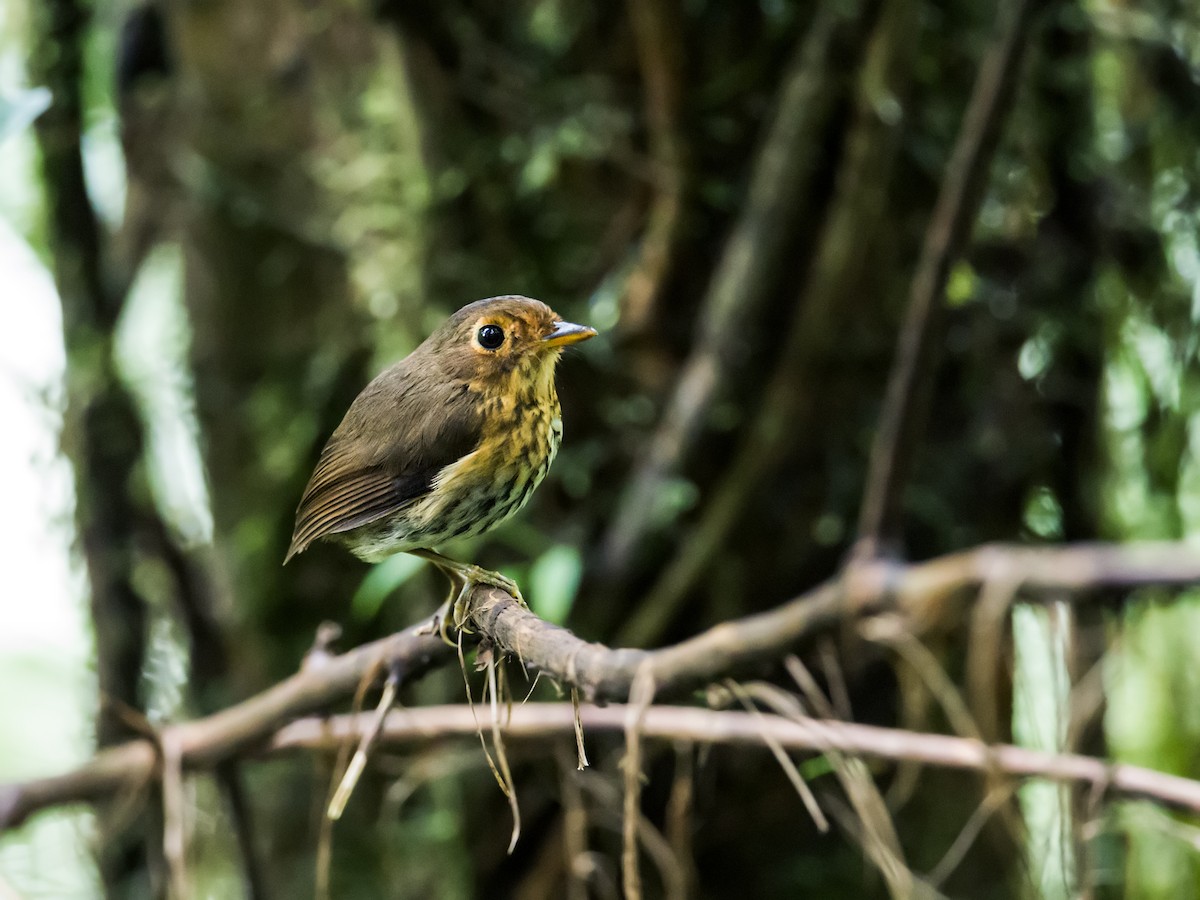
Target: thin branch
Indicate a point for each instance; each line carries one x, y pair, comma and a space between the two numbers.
358, 762
932, 594
910, 382
873, 828
228, 776
229, 733
641, 696
658, 37
680, 824
831, 293
538, 721
753, 254
575, 830
175, 819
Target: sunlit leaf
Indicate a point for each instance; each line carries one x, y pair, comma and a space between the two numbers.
553, 581
381, 581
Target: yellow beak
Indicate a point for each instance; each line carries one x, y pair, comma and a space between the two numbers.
566, 333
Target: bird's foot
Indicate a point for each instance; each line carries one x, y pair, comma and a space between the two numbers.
473, 577
455, 613
464, 578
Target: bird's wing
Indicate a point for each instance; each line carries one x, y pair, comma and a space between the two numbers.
369, 470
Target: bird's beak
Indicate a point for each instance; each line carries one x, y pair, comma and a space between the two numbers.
566, 333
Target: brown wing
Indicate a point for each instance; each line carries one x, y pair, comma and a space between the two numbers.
404, 428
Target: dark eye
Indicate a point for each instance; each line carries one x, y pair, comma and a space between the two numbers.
490, 337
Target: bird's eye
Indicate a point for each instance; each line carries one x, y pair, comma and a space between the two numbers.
490, 337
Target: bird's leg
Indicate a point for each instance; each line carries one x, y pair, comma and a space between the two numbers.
463, 579
470, 575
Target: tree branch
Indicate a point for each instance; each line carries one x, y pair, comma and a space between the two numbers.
751, 258
928, 595
229, 733
910, 381
831, 294
658, 38
537, 721
541, 721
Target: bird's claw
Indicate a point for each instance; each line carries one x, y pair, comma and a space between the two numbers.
504, 583
462, 606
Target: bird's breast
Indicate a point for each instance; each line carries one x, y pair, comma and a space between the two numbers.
520, 437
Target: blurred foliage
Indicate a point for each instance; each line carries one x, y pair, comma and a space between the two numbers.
335, 177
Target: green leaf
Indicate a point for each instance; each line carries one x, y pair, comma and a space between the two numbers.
553, 582
961, 286
381, 581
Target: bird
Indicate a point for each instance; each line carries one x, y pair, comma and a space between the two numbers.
447, 443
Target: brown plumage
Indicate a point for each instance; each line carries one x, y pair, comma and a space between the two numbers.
447, 443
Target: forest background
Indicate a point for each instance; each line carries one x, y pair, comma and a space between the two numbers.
878, 281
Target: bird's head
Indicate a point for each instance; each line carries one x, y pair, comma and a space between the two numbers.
504, 338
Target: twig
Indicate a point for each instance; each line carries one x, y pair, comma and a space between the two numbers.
175, 827
640, 696
990, 646
889, 631
746, 696
343, 762
575, 829
652, 841
909, 886
229, 782
839, 690
996, 798
910, 381
670, 871
358, 762
580, 750
195, 594
679, 823
877, 836
507, 783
